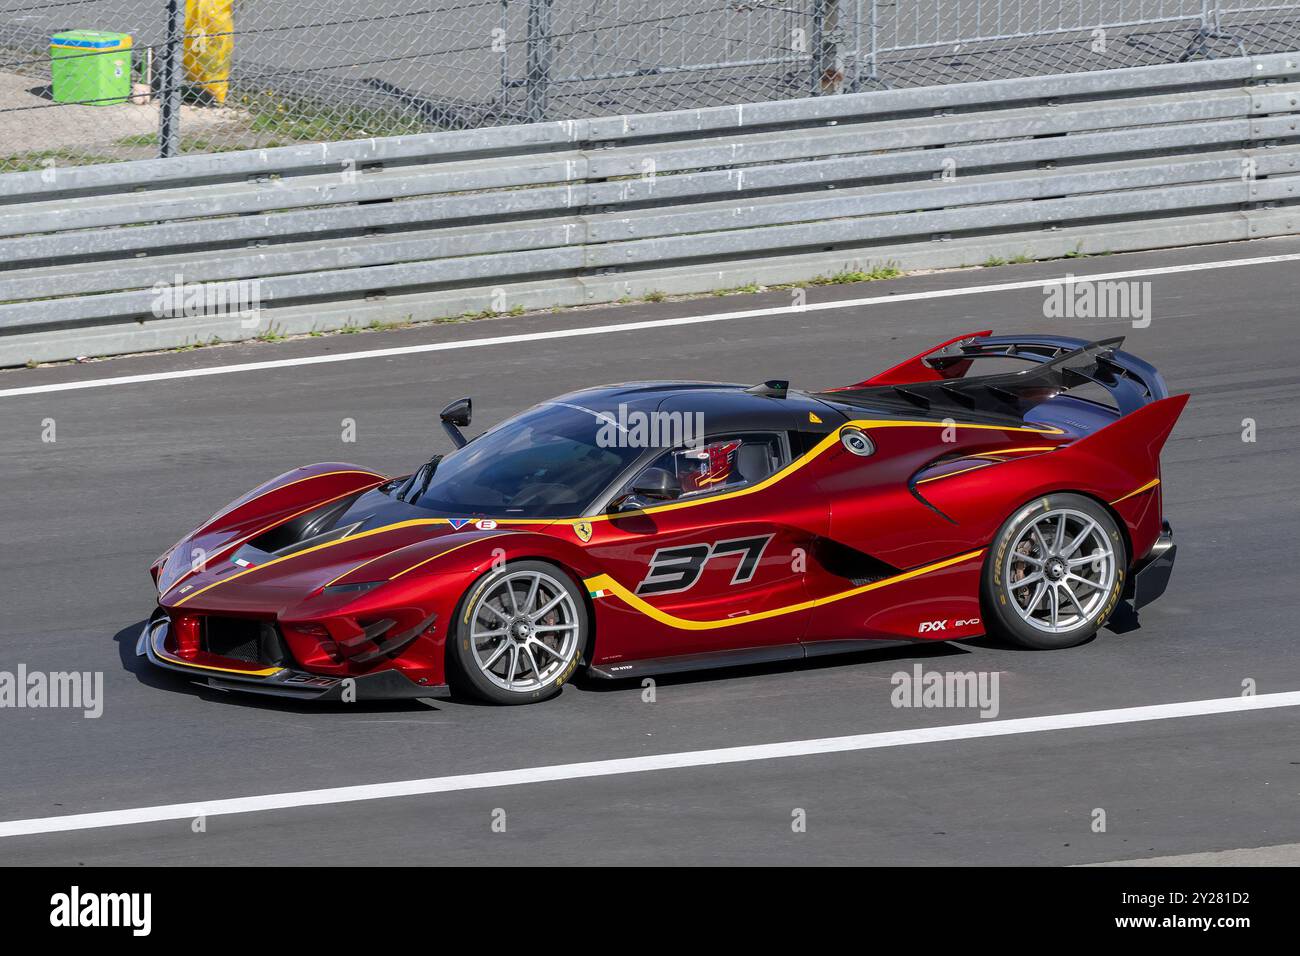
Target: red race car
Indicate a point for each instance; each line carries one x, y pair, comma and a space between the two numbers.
654, 527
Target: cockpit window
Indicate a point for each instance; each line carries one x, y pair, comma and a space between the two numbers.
548, 462
724, 463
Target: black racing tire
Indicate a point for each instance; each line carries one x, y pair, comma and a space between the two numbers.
541, 647
1040, 593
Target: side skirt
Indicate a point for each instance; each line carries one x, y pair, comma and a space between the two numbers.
621, 670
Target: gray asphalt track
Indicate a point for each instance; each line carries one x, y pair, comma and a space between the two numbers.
135, 466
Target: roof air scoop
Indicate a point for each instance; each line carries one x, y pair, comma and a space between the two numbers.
773, 388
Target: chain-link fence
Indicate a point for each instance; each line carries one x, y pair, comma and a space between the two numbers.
128, 79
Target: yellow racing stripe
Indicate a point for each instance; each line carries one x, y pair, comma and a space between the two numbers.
240, 542
421, 564
305, 551
1137, 491
603, 582
162, 652
954, 474
828, 442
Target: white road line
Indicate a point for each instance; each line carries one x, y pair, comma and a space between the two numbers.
675, 761
638, 326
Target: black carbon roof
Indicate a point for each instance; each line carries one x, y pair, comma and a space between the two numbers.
725, 406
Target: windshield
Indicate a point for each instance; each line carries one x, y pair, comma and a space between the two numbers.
545, 463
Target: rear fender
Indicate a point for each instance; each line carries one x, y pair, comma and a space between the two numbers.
1135, 441
1131, 448
1119, 465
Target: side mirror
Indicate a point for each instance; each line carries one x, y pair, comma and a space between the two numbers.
455, 417
458, 412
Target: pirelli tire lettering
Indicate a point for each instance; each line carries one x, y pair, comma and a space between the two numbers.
1056, 572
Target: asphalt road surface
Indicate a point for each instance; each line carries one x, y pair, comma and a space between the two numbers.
135, 465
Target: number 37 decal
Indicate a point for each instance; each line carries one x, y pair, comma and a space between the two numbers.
677, 569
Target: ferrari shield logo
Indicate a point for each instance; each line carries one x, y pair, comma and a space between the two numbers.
583, 530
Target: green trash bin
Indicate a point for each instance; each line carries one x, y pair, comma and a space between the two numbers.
87, 66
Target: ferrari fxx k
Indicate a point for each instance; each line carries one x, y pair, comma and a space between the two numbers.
663, 526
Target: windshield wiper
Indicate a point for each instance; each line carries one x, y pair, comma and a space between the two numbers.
427, 470
430, 467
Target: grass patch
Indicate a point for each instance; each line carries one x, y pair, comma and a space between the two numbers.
741, 289
50, 158
188, 144
375, 325
303, 121
887, 271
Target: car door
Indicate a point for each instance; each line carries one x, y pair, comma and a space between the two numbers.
722, 566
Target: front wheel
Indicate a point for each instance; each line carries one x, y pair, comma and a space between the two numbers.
520, 634
1055, 572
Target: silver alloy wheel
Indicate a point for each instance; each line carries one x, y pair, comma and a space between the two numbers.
1060, 570
524, 630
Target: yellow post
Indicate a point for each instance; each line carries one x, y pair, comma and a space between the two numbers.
209, 44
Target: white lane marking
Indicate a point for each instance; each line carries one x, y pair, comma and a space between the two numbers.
637, 326
673, 761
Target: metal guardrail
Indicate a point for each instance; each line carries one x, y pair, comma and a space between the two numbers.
98, 259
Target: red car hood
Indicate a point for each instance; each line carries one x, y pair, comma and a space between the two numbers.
390, 539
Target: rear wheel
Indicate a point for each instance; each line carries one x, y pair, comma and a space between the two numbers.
1055, 572
520, 634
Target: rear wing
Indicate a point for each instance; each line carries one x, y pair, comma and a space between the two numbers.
936, 382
